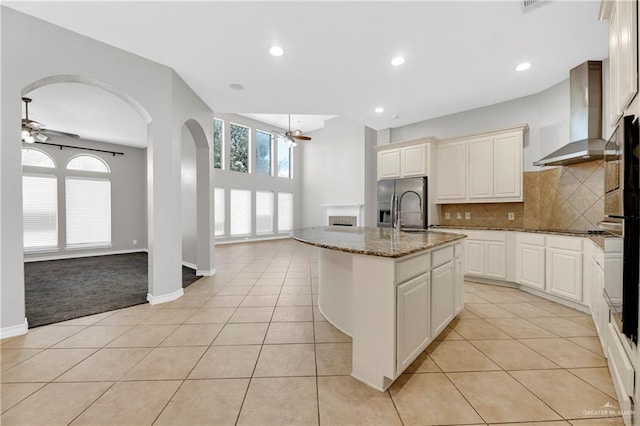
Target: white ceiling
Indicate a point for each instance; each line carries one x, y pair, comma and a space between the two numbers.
89, 112
304, 122
459, 55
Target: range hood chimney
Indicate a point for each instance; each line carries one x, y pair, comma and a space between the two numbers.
585, 86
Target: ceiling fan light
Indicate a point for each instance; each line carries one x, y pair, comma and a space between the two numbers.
25, 134
29, 139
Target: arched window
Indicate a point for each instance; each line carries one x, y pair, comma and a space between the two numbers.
88, 163
37, 158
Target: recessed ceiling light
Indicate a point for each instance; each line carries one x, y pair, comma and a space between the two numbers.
236, 86
523, 66
397, 61
276, 51
378, 110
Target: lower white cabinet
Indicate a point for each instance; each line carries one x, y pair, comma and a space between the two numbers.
599, 307
414, 328
486, 258
564, 273
530, 260
459, 279
443, 283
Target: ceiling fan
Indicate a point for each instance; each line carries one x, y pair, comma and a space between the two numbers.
291, 136
33, 131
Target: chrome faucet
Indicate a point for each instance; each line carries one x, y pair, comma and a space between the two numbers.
397, 223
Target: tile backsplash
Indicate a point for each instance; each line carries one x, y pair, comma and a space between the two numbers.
563, 198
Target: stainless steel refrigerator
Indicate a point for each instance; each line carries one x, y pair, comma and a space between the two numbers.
404, 200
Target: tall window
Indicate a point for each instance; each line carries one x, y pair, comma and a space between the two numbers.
88, 204
218, 137
88, 212
264, 212
284, 161
219, 211
285, 211
263, 153
240, 205
40, 211
239, 148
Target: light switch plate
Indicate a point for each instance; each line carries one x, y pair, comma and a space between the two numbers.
458, 215
511, 216
467, 216
447, 215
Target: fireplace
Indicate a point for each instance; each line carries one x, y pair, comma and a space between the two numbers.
343, 214
343, 221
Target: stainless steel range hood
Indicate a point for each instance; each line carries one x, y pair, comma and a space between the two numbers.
585, 85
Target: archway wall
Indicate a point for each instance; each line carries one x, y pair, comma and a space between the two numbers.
152, 86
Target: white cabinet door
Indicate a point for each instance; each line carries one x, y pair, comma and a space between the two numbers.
414, 331
389, 164
442, 297
627, 47
564, 273
599, 307
413, 161
474, 256
495, 253
459, 278
507, 165
451, 165
481, 168
530, 268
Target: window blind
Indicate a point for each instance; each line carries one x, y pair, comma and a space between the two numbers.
264, 212
88, 212
219, 211
285, 211
40, 211
240, 204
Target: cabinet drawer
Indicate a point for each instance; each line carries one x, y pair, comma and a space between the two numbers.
442, 256
457, 250
530, 238
412, 267
565, 243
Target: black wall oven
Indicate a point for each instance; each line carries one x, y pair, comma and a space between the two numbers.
622, 218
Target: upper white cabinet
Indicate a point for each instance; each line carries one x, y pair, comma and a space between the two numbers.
389, 164
404, 159
413, 160
623, 50
451, 178
481, 169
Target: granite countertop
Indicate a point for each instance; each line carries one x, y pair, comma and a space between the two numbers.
596, 238
383, 242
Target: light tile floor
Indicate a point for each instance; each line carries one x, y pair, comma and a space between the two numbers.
250, 347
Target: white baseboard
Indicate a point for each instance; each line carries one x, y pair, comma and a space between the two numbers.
70, 255
206, 273
164, 298
189, 264
14, 330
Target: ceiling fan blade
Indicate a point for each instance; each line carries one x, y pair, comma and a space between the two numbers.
31, 124
59, 133
301, 137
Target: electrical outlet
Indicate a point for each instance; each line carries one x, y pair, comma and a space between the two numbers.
511, 216
135, 242
447, 215
458, 215
467, 216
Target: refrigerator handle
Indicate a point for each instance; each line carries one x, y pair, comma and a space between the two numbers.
393, 210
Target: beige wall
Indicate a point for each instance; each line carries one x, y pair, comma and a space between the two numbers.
561, 198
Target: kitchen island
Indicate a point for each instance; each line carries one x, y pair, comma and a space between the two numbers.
392, 291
